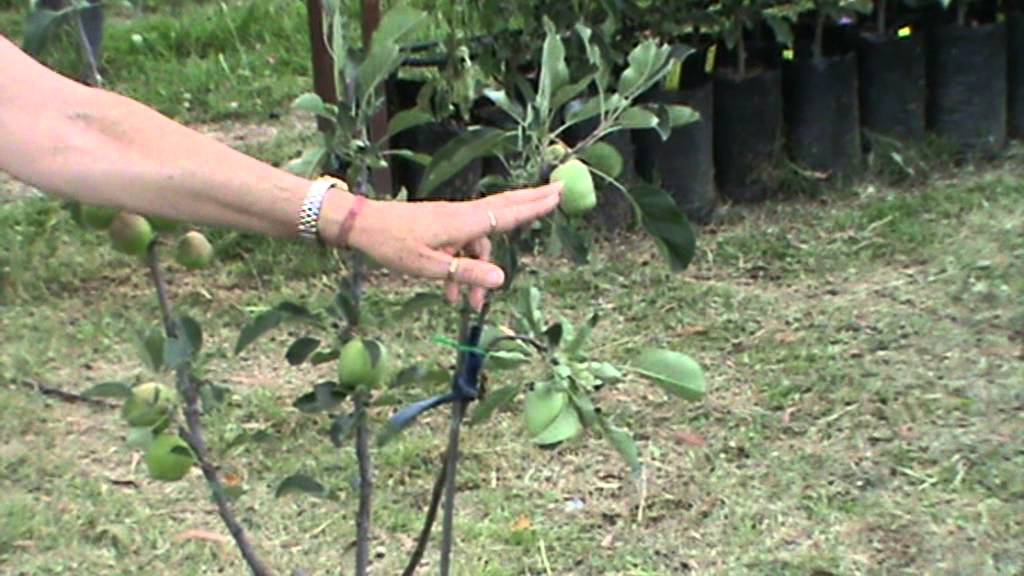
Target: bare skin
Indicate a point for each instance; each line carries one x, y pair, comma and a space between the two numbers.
100, 148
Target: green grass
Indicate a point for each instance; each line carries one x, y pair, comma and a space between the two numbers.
864, 360
863, 348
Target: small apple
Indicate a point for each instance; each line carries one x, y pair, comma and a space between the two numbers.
130, 234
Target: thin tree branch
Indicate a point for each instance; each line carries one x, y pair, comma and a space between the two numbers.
193, 431
451, 463
428, 522
365, 488
65, 395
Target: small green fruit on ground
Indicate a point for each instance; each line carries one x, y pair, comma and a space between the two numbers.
169, 458
130, 234
193, 251
355, 365
578, 194
98, 217
149, 404
543, 404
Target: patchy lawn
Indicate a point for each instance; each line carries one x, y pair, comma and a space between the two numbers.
865, 414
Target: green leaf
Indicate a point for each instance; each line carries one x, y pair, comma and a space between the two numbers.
781, 28
259, 326
346, 305
311, 103
397, 24
341, 428
501, 100
324, 396
505, 359
139, 438
604, 158
192, 331
646, 65
675, 372
637, 119
680, 115
554, 72
300, 350
297, 311
579, 339
151, 349
108, 390
528, 308
186, 343
624, 444
418, 303
570, 91
309, 163
407, 119
662, 219
553, 334
303, 484
385, 55
585, 408
566, 426
458, 153
605, 372
417, 157
584, 111
492, 402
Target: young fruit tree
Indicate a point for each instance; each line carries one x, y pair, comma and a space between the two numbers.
558, 406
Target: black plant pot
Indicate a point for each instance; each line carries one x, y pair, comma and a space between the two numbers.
683, 165
967, 88
823, 114
1015, 79
748, 132
893, 89
428, 139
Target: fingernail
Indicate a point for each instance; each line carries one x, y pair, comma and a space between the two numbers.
495, 278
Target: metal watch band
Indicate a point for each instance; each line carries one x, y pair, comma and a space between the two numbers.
309, 213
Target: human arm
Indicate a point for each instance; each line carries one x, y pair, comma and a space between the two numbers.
102, 148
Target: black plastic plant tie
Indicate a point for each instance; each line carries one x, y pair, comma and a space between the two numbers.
465, 384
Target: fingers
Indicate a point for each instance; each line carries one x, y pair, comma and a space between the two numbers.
510, 210
481, 249
468, 271
451, 288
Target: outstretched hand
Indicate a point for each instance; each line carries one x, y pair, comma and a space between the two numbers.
449, 240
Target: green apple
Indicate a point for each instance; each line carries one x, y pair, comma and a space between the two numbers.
148, 404
193, 251
556, 153
355, 365
130, 234
578, 196
98, 217
169, 458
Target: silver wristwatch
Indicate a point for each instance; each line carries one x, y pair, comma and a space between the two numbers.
309, 213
